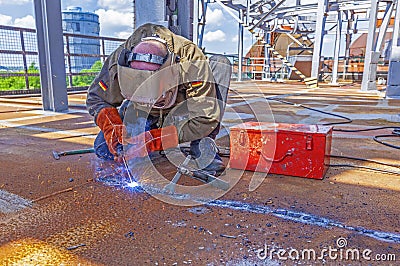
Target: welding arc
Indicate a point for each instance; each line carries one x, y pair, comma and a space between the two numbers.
127, 169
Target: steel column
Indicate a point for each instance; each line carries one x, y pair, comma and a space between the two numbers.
371, 57
350, 19
393, 82
337, 49
51, 55
319, 36
240, 48
185, 18
196, 21
396, 27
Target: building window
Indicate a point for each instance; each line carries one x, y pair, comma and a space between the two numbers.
76, 26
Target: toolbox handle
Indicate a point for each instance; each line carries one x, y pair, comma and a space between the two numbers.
242, 138
288, 153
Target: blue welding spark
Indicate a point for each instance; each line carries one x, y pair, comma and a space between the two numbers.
116, 176
132, 184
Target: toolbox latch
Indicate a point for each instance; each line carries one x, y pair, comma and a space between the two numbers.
242, 138
309, 142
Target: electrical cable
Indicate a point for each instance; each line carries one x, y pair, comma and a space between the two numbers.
364, 160
395, 133
365, 167
365, 129
348, 120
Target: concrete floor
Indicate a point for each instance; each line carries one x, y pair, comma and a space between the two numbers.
58, 212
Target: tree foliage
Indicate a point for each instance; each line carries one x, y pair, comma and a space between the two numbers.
11, 82
86, 80
18, 82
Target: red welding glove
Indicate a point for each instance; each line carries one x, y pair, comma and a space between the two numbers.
154, 140
111, 124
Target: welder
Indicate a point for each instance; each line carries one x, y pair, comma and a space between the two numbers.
163, 83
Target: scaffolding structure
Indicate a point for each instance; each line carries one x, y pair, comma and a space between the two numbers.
306, 23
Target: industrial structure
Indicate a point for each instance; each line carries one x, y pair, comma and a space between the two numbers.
306, 23
293, 33
74, 20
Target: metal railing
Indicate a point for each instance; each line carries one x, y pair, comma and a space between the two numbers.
19, 60
234, 59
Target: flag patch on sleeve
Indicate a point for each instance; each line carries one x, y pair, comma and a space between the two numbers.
103, 85
196, 84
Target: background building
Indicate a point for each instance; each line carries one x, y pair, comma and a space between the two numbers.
75, 21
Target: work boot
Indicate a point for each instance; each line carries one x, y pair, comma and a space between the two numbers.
205, 153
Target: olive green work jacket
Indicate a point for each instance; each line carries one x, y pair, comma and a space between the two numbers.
197, 91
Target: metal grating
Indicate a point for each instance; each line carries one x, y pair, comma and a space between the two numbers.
19, 61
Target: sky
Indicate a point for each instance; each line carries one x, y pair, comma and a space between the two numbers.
115, 16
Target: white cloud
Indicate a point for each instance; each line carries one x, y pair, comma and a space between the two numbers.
213, 36
112, 22
214, 17
25, 22
15, 2
5, 20
116, 4
124, 34
246, 37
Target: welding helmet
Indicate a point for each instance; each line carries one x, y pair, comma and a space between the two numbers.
149, 75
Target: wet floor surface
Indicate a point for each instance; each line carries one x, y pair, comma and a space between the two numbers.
74, 211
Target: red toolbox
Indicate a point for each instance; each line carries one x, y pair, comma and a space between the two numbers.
286, 149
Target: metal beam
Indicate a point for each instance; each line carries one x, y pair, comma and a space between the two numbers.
51, 55
185, 18
393, 83
265, 16
196, 16
337, 49
230, 12
396, 27
240, 48
374, 44
349, 25
319, 36
371, 57
383, 28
